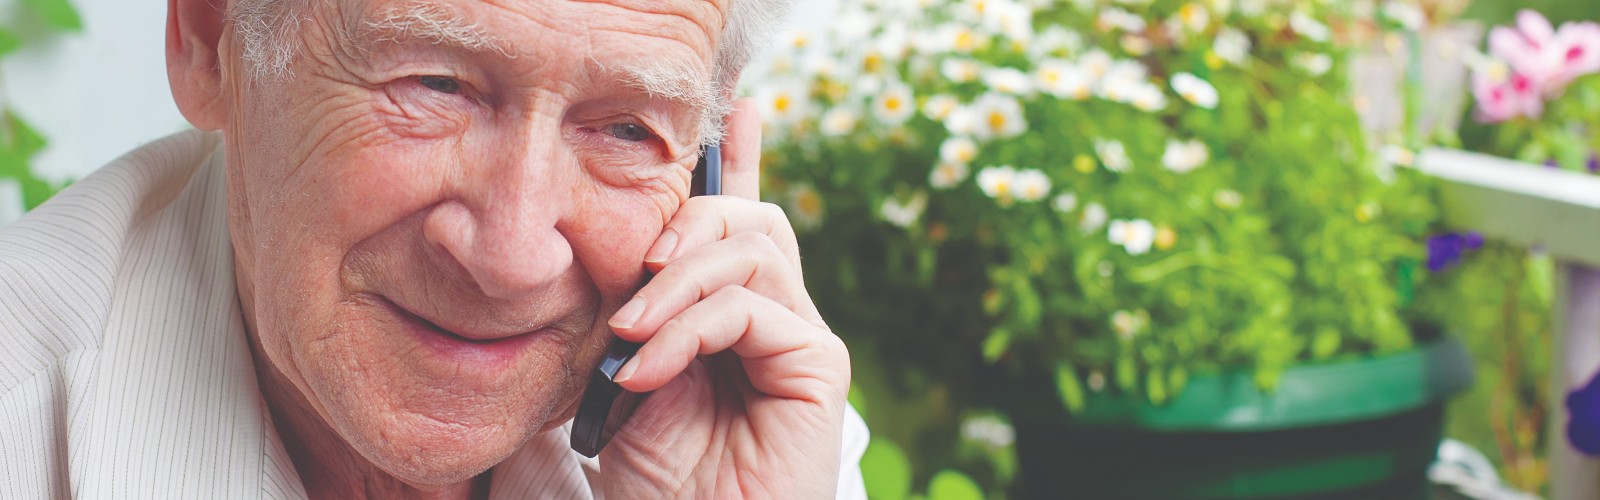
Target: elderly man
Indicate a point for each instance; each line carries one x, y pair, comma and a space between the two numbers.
404, 236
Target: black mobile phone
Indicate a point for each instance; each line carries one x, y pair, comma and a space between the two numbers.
606, 406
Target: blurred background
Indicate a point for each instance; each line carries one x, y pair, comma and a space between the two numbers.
1124, 248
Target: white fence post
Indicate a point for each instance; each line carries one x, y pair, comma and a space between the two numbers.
1576, 360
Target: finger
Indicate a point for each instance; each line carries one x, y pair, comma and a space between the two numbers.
704, 220
749, 260
783, 354
741, 151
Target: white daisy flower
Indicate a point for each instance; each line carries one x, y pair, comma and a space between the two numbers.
1113, 155
997, 116
1113, 18
1308, 27
1064, 202
1055, 40
1317, 64
988, 431
946, 175
1136, 236
1129, 324
1227, 198
1195, 90
996, 181
783, 102
839, 121
1013, 20
797, 40
1193, 17
1147, 97
1030, 185
959, 150
1135, 45
1184, 156
1232, 45
893, 41
960, 70
804, 207
1063, 79
895, 105
1007, 81
963, 121
1096, 63
961, 39
822, 65
939, 107
1120, 80
904, 214
1093, 218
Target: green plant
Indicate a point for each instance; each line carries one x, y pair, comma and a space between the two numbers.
19, 142
1116, 195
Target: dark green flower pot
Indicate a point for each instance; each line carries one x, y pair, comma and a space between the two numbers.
1365, 428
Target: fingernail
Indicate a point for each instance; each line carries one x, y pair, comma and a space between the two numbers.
629, 314
627, 371
663, 247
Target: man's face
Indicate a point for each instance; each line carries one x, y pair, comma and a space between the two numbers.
436, 213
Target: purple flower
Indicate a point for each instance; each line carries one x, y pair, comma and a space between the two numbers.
1445, 250
1583, 418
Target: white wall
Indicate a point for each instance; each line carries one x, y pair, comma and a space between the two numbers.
97, 94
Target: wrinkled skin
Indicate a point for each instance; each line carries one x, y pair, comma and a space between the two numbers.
432, 244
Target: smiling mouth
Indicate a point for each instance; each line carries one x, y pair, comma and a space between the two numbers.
417, 321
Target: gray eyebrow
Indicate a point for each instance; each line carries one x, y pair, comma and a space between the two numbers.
685, 85
434, 23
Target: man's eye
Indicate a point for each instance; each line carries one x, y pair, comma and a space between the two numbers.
630, 132
443, 84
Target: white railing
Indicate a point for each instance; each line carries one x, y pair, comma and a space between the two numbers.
1558, 210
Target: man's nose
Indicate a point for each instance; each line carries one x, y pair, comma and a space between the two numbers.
503, 227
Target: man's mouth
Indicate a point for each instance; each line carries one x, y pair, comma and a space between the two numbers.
476, 347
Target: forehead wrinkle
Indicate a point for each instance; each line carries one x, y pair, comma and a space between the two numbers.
435, 23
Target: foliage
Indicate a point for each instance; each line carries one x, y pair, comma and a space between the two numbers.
20, 142
1116, 196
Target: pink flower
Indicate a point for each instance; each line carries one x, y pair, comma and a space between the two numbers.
1551, 58
1505, 96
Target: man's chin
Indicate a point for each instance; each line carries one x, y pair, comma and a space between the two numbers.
427, 453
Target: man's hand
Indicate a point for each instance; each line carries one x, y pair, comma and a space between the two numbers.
750, 382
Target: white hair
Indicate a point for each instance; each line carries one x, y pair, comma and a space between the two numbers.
265, 29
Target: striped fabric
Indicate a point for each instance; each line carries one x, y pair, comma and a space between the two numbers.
124, 366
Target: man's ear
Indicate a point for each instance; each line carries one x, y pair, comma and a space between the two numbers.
194, 35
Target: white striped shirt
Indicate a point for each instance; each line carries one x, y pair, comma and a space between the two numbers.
125, 371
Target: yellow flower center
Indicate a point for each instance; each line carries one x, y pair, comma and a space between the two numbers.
1189, 13
965, 41
1166, 238
872, 63
997, 120
809, 203
893, 103
782, 103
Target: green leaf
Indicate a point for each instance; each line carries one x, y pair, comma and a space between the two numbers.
950, 484
1069, 387
858, 400
996, 344
886, 470
9, 42
58, 13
